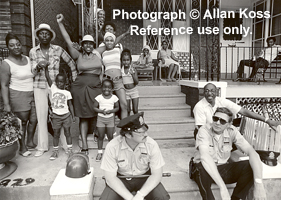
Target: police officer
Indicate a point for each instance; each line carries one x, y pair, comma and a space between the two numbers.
213, 145
133, 162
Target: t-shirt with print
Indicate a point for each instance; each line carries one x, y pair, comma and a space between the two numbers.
107, 104
59, 100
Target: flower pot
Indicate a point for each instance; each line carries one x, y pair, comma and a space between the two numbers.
7, 152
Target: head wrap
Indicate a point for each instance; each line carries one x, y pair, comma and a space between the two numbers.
108, 34
146, 47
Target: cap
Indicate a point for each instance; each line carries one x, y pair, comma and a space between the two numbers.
77, 166
45, 27
133, 122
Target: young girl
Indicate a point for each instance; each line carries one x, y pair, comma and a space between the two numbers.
106, 104
130, 80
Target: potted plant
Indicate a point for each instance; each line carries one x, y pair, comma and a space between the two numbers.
10, 131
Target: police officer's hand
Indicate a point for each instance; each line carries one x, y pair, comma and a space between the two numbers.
259, 192
224, 193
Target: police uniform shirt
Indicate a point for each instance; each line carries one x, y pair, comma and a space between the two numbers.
219, 147
119, 157
204, 111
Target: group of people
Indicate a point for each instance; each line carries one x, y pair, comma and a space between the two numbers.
34, 88
215, 135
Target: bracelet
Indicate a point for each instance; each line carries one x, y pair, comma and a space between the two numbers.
141, 194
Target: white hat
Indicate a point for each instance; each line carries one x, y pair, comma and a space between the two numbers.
108, 34
45, 27
88, 38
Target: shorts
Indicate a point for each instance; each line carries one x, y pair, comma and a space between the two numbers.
132, 93
59, 121
118, 84
105, 122
21, 100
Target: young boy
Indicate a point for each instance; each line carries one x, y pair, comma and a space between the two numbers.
62, 113
106, 105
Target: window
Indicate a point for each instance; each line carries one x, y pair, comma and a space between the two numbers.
178, 42
264, 28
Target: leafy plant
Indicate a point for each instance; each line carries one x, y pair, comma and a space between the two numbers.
10, 129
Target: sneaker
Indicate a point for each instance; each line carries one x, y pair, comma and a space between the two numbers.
54, 155
39, 153
84, 151
99, 157
69, 152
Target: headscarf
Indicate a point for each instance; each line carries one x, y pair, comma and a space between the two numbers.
108, 34
146, 47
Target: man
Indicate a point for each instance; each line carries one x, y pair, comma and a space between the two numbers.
205, 108
133, 162
213, 147
41, 56
263, 59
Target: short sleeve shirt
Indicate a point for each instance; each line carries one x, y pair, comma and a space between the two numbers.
107, 104
219, 147
203, 110
59, 100
119, 157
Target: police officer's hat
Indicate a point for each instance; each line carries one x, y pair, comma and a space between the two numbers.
133, 122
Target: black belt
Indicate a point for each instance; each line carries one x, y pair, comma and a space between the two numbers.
116, 78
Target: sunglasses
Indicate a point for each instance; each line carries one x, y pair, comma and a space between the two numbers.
222, 121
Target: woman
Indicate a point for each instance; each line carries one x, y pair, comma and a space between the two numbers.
100, 23
112, 64
145, 59
167, 57
88, 83
17, 91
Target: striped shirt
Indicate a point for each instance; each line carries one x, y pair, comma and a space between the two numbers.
55, 54
111, 59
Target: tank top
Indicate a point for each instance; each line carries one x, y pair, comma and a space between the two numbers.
111, 59
89, 63
127, 78
21, 76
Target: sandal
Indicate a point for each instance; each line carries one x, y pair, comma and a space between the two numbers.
25, 154
85, 151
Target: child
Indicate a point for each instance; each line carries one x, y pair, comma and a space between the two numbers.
61, 113
130, 80
106, 105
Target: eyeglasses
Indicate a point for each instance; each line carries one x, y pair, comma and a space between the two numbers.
222, 121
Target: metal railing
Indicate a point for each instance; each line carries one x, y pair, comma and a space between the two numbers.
232, 55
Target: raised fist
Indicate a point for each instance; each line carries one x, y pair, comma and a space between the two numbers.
59, 18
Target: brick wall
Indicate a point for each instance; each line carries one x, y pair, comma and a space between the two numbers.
5, 25
46, 11
21, 24
134, 43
